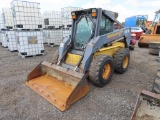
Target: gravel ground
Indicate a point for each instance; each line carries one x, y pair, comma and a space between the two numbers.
115, 101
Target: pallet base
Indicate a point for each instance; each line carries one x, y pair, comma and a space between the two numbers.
27, 56
13, 50
29, 29
5, 46
51, 45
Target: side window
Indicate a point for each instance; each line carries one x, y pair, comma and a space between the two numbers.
106, 26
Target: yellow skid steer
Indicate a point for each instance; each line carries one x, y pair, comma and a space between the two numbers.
94, 50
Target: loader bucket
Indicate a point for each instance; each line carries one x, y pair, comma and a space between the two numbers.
58, 85
145, 39
147, 107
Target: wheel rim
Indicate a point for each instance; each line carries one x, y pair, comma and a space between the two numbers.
125, 62
106, 71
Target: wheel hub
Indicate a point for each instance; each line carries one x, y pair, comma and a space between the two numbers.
125, 62
106, 71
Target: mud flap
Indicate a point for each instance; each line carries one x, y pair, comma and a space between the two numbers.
145, 39
58, 85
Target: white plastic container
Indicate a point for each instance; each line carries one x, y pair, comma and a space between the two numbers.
45, 36
54, 37
12, 43
52, 19
0, 38
26, 14
66, 32
67, 19
42, 19
7, 17
30, 43
66, 15
4, 39
2, 26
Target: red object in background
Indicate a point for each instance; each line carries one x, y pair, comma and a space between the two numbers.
136, 32
133, 41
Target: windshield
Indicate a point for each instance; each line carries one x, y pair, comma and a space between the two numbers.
83, 32
140, 20
157, 18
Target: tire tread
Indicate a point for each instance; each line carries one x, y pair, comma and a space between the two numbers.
94, 70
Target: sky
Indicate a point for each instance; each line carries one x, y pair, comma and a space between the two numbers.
125, 8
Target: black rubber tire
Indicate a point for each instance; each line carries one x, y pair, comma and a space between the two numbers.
131, 47
96, 70
154, 51
118, 59
55, 57
154, 45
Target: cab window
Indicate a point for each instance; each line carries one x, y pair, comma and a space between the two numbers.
106, 25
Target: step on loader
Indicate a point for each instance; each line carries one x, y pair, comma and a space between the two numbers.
94, 51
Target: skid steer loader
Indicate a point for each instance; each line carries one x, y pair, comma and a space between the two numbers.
93, 51
153, 32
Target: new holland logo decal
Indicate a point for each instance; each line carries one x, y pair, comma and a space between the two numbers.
113, 35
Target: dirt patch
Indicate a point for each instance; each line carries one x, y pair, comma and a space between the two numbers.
115, 101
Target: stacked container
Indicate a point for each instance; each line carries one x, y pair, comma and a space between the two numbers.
26, 14
67, 19
66, 32
28, 24
53, 27
53, 37
0, 38
4, 39
52, 19
8, 18
8, 35
6, 24
2, 25
30, 43
42, 21
12, 43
